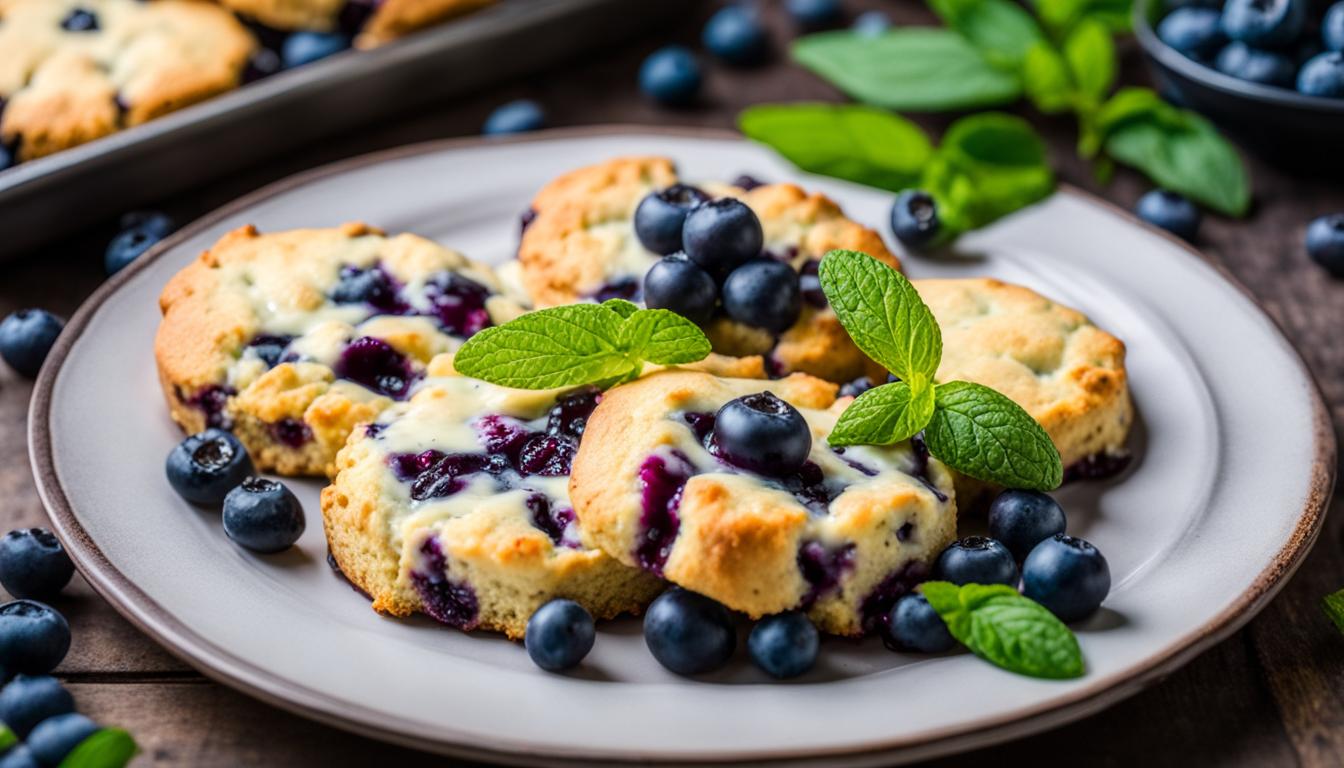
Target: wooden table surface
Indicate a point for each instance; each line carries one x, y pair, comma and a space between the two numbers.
1272, 694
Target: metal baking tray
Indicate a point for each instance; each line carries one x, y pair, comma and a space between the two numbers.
51, 196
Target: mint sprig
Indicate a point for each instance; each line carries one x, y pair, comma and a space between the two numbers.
106, 748
568, 346
1333, 605
1006, 629
968, 426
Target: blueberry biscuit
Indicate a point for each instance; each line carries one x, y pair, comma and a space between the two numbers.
291, 339
370, 22
72, 71
455, 504
842, 536
579, 244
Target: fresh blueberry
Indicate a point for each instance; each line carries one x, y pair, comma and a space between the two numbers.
856, 387
784, 645
19, 757
1323, 75
26, 336
140, 230
871, 24
671, 76
1332, 28
813, 14
33, 563
1022, 519
914, 219
689, 633
1325, 242
1253, 65
976, 560
762, 433
736, 35
29, 699
1170, 211
1067, 575
157, 222
56, 737
913, 625
722, 235
6, 157
33, 637
1264, 23
763, 293
518, 116
661, 215
1195, 32
559, 635
680, 285
306, 47
372, 286
80, 20
204, 467
263, 515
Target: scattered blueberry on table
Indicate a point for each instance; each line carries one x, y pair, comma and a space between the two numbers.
871, 24
913, 625
306, 47
688, 633
784, 645
977, 560
814, 14
34, 637
735, 34
1170, 211
33, 564
559, 635
29, 699
140, 230
1068, 576
204, 467
518, 116
263, 515
671, 76
1325, 242
26, 337
914, 219
54, 738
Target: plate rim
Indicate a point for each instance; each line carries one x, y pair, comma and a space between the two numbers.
226, 668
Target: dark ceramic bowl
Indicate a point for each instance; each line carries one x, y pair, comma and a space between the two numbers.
1287, 127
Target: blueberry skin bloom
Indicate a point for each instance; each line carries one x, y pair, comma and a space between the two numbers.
763, 434
721, 235
28, 700
204, 467
1243, 62
1332, 28
1169, 211
813, 14
1022, 519
559, 635
913, 625
670, 76
34, 564
784, 645
678, 284
34, 637
976, 560
56, 737
263, 515
1195, 32
518, 116
688, 633
1323, 75
914, 219
26, 337
19, 756
1264, 23
736, 35
1325, 242
763, 293
661, 215
306, 47
1068, 576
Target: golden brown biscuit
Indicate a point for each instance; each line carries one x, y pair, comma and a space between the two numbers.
371, 22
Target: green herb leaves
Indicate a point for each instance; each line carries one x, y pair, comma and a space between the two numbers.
988, 166
970, 427
106, 748
1333, 605
1006, 629
567, 346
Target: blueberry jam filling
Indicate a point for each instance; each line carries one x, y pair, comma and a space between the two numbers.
919, 468
662, 481
904, 533
452, 603
807, 484
458, 303
823, 569
857, 465
291, 432
271, 349
373, 363
628, 288
1098, 466
213, 400
526, 219
877, 604
569, 415
372, 286
80, 20
747, 182
809, 283
553, 520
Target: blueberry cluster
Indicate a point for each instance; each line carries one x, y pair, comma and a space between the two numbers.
713, 261
1271, 42
212, 469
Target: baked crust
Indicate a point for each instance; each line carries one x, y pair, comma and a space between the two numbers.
390, 19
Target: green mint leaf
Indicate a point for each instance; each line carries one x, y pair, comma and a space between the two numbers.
1002, 31
106, 748
1333, 605
862, 144
980, 433
556, 347
1045, 78
1006, 629
988, 166
7, 737
663, 337
883, 314
921, 69
885, 415
621, 307
1090, 54
1060, 16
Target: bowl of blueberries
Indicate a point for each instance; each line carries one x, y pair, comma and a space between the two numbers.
1269, 71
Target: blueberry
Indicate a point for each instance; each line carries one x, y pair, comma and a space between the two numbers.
1253, 65
26, 336
764, 294
19, 757
914, 219
263, 515
1195, 32
6, 157
372, 286
856, 387
680, 285
762, 433
33, 563
263, 63
1067, 575
1323, 75
1332, 28
1170, 211
559, 635
689, 633
518, 116
976, 560
722, 235
140, 230
661, 215
813, 14
670, 75
157, 222
913, 625
784, 645
1325, 242
29, 699
206, 466
55, 737
871, 24
33, 637
736, 35
80, 20
306, 47
1022, 519
1264, 23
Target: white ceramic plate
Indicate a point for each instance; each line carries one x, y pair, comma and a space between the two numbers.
1235, 467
